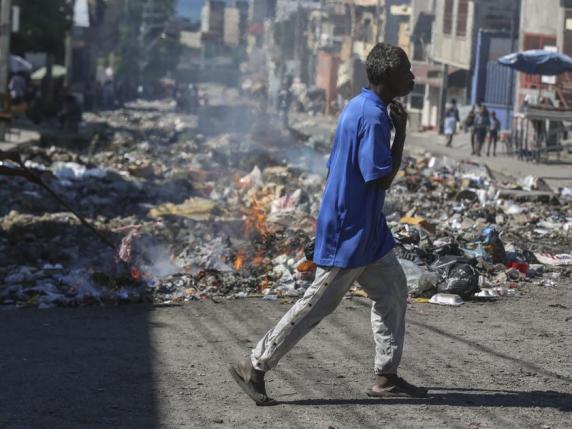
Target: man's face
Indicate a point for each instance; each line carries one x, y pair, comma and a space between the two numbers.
402, 79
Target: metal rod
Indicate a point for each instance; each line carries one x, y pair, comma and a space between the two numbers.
40, 182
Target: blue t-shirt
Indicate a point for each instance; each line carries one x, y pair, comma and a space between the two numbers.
351, 228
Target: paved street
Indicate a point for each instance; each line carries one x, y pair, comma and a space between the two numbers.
503, 364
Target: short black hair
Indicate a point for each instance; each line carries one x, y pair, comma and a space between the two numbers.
381, 60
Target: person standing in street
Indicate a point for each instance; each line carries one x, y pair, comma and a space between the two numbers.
481, 126
353, 241
493, 134
470, 126
284, 101
451, 121
18, 88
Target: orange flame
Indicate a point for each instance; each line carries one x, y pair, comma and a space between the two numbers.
239, 260
257, 260
264, 284
255, 219
135, 273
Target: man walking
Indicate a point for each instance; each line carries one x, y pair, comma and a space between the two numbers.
353, 241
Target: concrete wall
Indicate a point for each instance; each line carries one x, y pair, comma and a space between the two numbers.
327, 75
231, 26
449, 48
539, 17
418, 6
417, 49
544, 19
494, 15
482, 14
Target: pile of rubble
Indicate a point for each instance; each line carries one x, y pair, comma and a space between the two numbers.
461, 232
221, 216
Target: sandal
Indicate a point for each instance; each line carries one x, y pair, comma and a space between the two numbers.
397, 388
253, 388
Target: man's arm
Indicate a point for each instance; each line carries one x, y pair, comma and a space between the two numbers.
399, 118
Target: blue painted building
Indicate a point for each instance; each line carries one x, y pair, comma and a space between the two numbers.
192, 8
493, 84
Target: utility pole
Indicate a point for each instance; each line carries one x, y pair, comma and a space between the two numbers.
443, 96
5, 29
378, 22
514, 24
297, 41
68, 60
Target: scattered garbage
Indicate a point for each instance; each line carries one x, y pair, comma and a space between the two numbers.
495, 292
419, 280
446, 299
193, 208
552, 259
229, 216
457, 276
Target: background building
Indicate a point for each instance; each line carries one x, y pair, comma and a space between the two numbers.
546, 25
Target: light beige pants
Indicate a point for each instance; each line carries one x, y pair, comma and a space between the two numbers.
385, 283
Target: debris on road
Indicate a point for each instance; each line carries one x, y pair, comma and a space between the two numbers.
232, 215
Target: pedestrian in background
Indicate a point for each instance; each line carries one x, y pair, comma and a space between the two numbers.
18, 88
451, 121
481, 126
470, 126
493, 134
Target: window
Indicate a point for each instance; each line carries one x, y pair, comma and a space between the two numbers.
462, 16
448, 17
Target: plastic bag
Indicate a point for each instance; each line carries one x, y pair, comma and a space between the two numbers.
457, 276
419, 279
493, 244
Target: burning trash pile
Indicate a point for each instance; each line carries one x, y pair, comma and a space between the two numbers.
188, 216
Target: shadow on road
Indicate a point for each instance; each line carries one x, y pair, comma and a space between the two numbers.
462, 398
69, 368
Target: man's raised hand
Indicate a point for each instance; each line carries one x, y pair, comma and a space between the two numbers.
398, 116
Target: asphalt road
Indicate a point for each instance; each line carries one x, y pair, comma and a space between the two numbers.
503, 364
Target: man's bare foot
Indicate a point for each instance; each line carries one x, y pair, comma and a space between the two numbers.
251, 381
390, 385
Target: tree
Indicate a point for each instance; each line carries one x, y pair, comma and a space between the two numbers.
43, 27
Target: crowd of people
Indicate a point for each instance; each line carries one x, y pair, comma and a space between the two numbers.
483, 126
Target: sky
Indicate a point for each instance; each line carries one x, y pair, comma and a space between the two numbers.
191, 8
